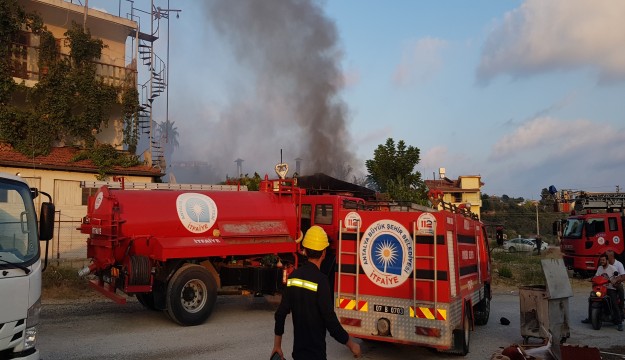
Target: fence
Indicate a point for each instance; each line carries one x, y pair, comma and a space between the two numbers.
68, 247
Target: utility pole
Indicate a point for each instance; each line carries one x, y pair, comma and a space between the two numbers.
537, 226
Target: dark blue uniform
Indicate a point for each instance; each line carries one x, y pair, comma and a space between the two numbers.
309, 298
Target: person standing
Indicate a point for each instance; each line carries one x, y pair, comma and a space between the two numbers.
539, 243
309, 298
618, 284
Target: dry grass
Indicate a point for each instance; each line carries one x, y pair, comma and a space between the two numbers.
61, 282
511, 270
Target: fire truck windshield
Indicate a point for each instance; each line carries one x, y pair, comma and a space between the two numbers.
573, 228
19, 243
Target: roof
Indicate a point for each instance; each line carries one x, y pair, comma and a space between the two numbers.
323, 184
448, 185
60, 158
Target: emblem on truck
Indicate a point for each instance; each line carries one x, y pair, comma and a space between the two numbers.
197, 212
352, 219
386, 253
98, 200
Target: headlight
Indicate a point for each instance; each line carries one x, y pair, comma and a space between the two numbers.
598, 293
32, 321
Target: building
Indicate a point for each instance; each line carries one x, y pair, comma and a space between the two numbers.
465, 190
114, 66
57, 173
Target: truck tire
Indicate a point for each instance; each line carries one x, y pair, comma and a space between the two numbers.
462, 337
481, 311
595, 317
191, 295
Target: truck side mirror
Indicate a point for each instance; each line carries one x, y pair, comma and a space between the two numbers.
46, 221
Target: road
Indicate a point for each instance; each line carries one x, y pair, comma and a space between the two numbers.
242, 328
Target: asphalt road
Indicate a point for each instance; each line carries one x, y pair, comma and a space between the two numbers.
242, 328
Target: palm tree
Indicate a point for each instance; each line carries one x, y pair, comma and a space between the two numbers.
167, 135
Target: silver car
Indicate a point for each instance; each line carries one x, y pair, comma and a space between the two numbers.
519, 244
543, 245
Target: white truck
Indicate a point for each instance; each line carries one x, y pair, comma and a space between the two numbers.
21, 265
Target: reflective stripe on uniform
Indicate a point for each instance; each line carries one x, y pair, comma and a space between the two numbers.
309, 285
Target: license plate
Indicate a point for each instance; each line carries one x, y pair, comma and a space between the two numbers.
389, 309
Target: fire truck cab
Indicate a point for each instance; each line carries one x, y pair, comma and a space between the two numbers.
595, 226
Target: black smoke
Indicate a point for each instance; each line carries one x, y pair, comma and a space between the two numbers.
289, 55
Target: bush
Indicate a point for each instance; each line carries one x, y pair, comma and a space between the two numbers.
505, 271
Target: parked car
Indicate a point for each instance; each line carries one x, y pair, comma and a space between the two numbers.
543, 244
519, 244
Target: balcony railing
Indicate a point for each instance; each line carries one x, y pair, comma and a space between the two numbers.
24, 60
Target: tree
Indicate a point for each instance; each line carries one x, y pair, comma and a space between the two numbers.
547, 200
392, 171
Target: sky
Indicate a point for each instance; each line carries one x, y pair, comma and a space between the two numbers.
526, 94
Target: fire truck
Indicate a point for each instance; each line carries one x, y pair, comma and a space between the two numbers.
404, 274
594, 226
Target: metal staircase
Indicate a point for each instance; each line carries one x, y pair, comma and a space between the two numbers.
150, 90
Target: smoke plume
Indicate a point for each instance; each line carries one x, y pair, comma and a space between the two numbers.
287, 51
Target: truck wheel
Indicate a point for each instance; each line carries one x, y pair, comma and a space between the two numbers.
191, 295
595, 317
462, 337
482, 311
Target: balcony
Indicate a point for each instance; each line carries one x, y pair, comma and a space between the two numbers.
24, 59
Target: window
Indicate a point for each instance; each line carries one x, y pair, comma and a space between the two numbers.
19, 54
573, 228
323, 214
457, 197
594, 227
4, 195
612, 224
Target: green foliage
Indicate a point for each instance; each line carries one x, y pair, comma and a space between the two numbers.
518, 216
106, 157
84, 49
252, 183
130, 113
505, 271
392, 171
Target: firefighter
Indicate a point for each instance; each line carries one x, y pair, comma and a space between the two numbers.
539, 243
309, 298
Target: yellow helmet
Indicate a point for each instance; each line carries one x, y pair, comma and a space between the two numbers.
315, 238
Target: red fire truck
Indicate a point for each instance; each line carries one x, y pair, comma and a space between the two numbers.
595, 225
406, 274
